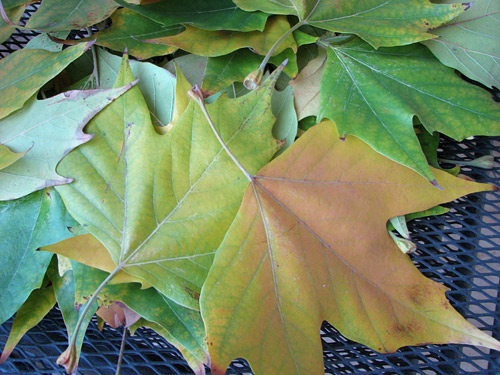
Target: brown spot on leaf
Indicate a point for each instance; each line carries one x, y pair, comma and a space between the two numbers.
193, 293
418, 294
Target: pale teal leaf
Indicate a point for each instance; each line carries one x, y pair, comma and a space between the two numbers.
48, 129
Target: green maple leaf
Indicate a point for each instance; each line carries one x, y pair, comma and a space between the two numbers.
374, 94
379, 22
161, 204
471, 42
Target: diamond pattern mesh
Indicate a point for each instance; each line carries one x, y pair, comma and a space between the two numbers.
460, 249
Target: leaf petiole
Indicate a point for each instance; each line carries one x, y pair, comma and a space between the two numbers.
197, 96
86, 308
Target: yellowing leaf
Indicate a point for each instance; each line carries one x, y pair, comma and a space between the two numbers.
20, 80
7, 157
217, 43
379, 22
87, 250
310, 244
161, 204
46, 130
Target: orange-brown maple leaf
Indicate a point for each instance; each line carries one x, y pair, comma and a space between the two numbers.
310, 244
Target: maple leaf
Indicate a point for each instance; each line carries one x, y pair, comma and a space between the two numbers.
379, 22
310, 244
156, 199
471, 42
374, 95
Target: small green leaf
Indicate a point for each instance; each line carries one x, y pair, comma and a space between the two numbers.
184, 326
55, 15
286, 125
207, 14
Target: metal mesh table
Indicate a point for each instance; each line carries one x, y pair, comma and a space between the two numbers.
460, 249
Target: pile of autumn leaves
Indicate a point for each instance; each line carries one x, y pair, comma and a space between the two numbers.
204, 234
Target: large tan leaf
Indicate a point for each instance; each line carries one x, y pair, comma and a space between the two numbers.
310, 244
161, 204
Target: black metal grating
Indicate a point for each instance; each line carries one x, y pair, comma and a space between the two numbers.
460, 249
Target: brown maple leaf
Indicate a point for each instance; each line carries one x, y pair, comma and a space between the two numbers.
310, 244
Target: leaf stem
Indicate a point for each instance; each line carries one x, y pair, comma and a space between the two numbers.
5, 16
122, 350
197, 96
86, 308
278, 42
95, 70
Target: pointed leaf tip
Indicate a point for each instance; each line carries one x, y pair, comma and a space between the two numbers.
283, 64
436, 184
